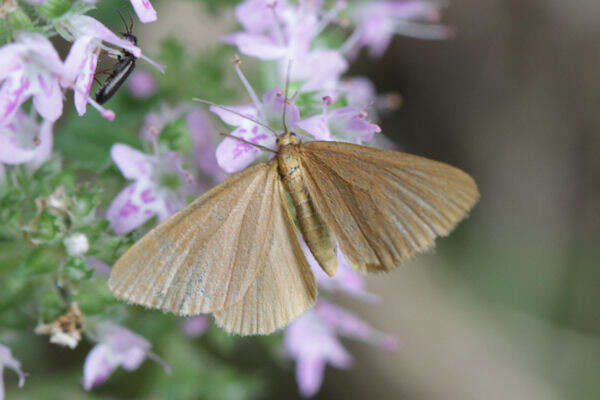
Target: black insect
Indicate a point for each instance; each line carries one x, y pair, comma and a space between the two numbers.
122, 69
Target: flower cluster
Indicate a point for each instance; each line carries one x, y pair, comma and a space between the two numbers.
30, 67
310, 42
325, 106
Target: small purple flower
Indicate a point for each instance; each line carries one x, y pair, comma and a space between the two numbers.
195, 326
30, 67
280, 31
159, 188
24, 140
8, 361
359, 92
117, 346
144, 10
378, 21
142, 84
203, 136
312, 340
346, 280
347, 124
233, 155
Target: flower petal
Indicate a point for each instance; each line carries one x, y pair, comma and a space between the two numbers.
7, 360
133, 163
144, 10
195, 326
44, 150
256, 45
48, 98
234, 119
10, 151
309, 375
233, 155
14, 91
350, 124
126, 212
316, 126
98, 366
10, 61
84, 25
273, 102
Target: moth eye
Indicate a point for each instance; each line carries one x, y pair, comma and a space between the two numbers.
293, 134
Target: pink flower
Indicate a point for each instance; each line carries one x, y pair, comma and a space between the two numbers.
279, 31
312, 340
233, 155
347, 280
8, 361
159, 187
144, 10
89, 37
30, 67
24, 140
377, 22
195, 326
117, 346
359, 92
347, 124
142, 84
203, 135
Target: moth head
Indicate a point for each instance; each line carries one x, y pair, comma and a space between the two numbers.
287, 139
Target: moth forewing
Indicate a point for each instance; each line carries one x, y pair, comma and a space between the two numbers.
205, 257
283, 289
384, 206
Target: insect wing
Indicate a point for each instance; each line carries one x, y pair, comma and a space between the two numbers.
384, 206
283, 289
205, 257
119, 75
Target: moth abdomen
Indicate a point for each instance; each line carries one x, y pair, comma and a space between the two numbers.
315, 232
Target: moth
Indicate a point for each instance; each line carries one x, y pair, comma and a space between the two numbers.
234, 251
121, 70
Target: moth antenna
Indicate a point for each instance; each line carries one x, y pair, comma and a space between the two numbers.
285, 94
130, 23
248, 142
123, 21
210, 103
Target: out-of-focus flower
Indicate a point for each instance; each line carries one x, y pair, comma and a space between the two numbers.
142, 84
117, 346
195, 326
359, 91
346, 280
77, 244
66, 330
280, 31
312, 341
24, 140
377, 22
8, 361
233, 155
144, 10
203, 136
100, 267
30, 67
160, 187
347, 124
